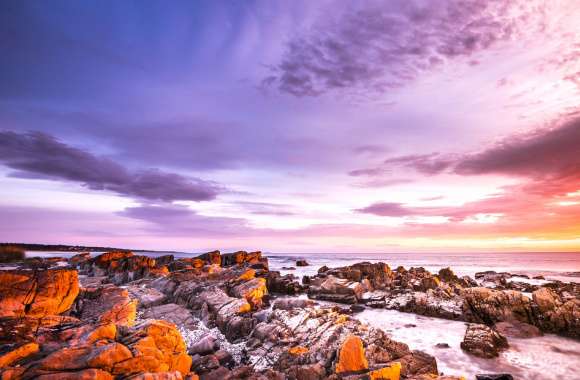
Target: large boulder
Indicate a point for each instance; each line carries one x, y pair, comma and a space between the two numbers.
37, 293
490, 306
483, 341
338, 290
555, 314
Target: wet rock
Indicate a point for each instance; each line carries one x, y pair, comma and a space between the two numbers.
302, 263
442, 345
483, 341
516, 329
37, 293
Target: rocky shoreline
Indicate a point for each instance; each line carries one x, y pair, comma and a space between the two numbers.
227, 316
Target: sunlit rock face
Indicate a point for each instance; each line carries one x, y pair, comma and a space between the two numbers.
37, 293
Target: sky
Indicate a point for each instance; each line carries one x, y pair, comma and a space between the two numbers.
291, 126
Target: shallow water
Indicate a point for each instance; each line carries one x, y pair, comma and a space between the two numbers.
543, 358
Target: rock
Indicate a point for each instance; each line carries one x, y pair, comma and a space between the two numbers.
501, 376
482, 341
490, 306
302, 263
291, 303
170, 312
442, 345
546, 299
206, 345
516, 329
240, 258
351, 356
87, 374
146, 296
106, 304
157, 346
392, 372
253, 291
213, 257
540, 277
15, 354
337, 290
175, 375
79, 259
37, 293
283, 284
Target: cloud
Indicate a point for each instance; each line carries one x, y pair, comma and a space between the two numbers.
377, 46
428, 164
266, 208
553, 153
387, 209
178, 220
383, 182
37, 155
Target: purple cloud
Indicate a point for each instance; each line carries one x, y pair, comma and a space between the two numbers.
553, 152
387, 209
375, 47
177, 220
37, 155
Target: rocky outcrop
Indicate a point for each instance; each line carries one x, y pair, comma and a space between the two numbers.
554, 314
302, 263
106, 304
37, 293
490, 306
483, 341
336, 289
516, 329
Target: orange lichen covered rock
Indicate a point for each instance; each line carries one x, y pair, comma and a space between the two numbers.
37, 293
298, 350
351, 357
392, 372
18, 353
247, 275
157, 346
87, 374
253, 291
107, 305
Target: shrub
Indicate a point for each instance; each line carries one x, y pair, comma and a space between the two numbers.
10, 253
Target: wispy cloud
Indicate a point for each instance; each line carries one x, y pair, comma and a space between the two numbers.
37, 155
378, 46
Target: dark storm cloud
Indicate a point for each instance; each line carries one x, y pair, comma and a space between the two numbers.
38, 155
378, 46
